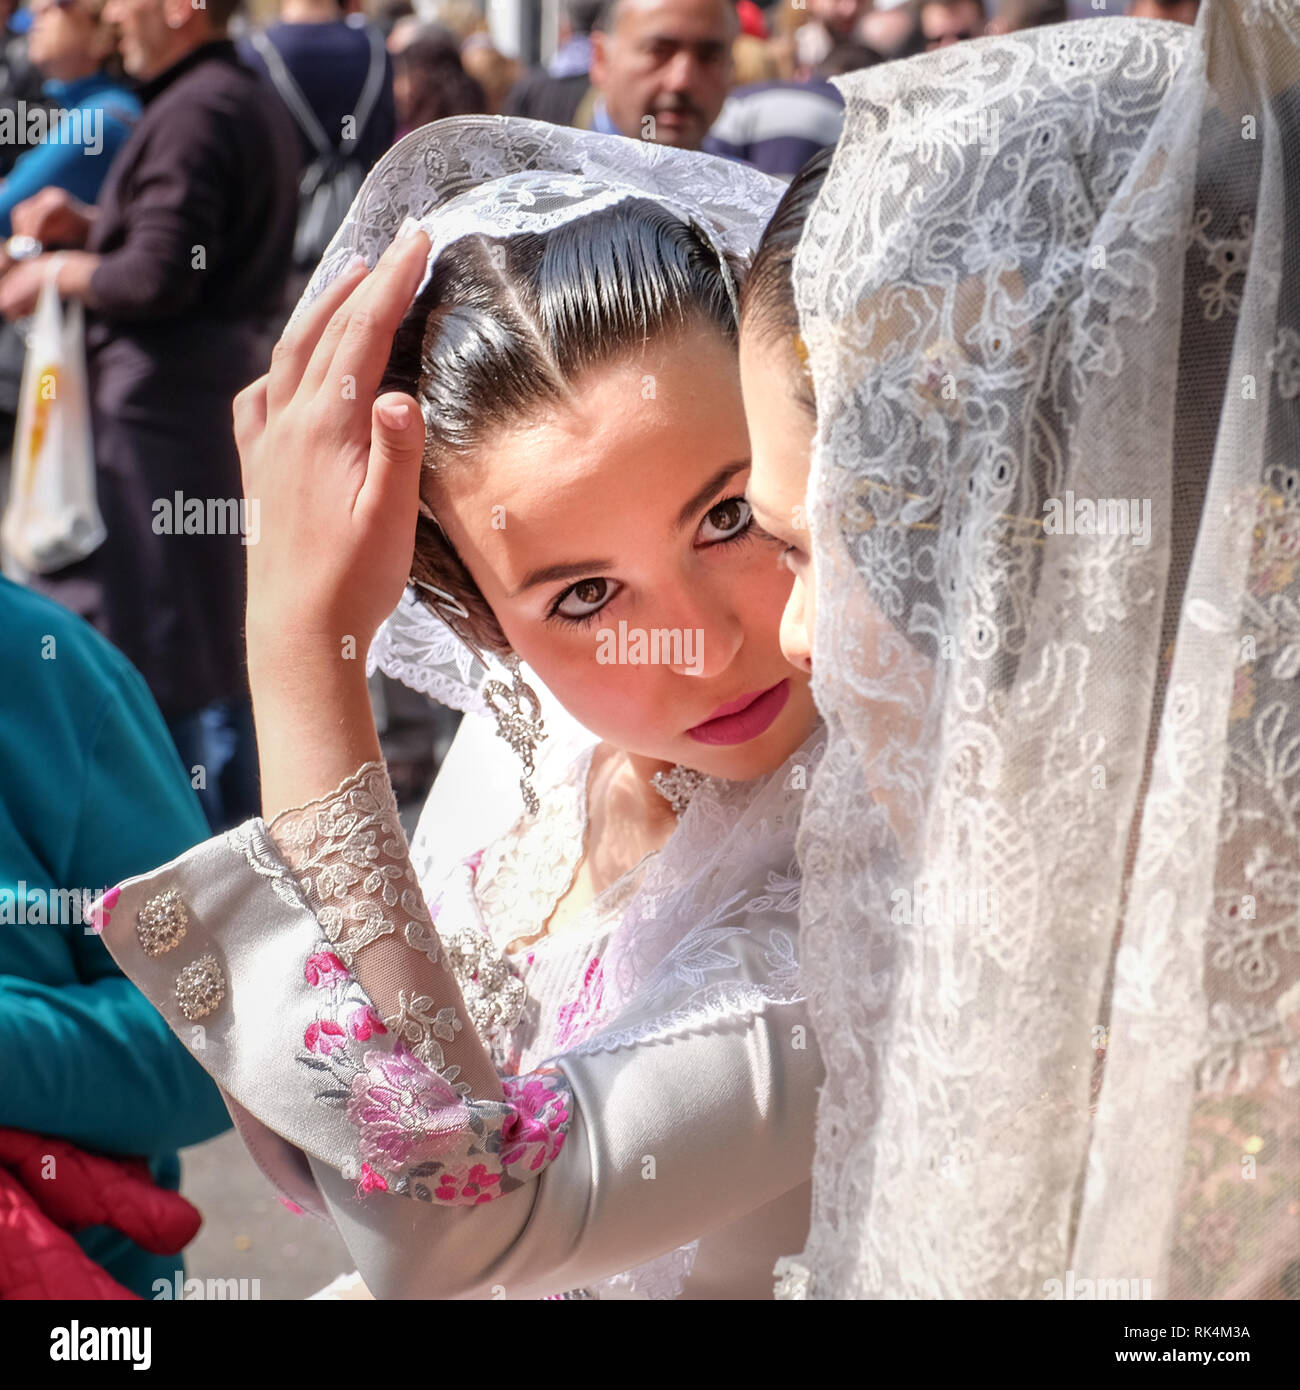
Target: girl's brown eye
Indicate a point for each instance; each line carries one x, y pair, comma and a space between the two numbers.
730, 518
586, 597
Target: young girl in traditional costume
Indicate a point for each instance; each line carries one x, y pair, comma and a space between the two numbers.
575, 1060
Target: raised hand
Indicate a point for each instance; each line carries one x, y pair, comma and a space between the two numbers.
332, 479
330, 473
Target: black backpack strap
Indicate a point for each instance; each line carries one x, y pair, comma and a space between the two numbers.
370, 89
291, 92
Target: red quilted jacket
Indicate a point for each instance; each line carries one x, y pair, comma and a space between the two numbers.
38, 1214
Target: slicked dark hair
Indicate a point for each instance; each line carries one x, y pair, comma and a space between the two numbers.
504, 327
767, 305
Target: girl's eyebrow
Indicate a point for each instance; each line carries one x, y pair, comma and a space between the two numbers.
688, 512
579, 569
571, 569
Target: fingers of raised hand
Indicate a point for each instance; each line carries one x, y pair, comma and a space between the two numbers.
293, 351
353, 351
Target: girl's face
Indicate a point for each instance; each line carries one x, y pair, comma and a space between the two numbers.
613, 542
781, 427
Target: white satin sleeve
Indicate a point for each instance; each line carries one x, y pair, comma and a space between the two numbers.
354, 1102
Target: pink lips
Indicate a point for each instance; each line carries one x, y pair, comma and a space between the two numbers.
745, 718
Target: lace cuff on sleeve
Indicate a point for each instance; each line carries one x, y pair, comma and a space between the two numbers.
349, 853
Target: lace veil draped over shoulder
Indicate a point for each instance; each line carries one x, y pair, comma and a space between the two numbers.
1050, 294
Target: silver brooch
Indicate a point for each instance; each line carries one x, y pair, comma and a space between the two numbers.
677, 786
161, 923
200, 987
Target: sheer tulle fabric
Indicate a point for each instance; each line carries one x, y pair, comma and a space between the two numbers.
1050, 294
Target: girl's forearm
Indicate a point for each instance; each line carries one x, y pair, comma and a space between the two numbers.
315, 726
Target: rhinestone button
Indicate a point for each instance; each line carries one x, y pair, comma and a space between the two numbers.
161, 923
200, 987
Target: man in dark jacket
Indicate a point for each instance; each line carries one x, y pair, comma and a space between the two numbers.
186, 256
555, 92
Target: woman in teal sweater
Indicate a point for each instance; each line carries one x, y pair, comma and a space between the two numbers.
91, 791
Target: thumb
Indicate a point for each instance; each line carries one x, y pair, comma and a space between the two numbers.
396, 450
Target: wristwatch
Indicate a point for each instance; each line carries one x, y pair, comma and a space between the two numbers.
23, 248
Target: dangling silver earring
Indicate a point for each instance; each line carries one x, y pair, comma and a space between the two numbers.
522, 731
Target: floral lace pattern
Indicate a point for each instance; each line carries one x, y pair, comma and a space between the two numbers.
1081, 737
351, 858
422, 1130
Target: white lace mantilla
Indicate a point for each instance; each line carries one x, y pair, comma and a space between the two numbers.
1046, 290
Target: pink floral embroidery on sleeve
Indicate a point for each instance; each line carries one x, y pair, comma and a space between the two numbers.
537, 1126
403, 1110
325, 969
370, 1181
102, 911
467, 1187
323, 1036
418, 1134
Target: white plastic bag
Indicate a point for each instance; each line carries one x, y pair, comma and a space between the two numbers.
53, 516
